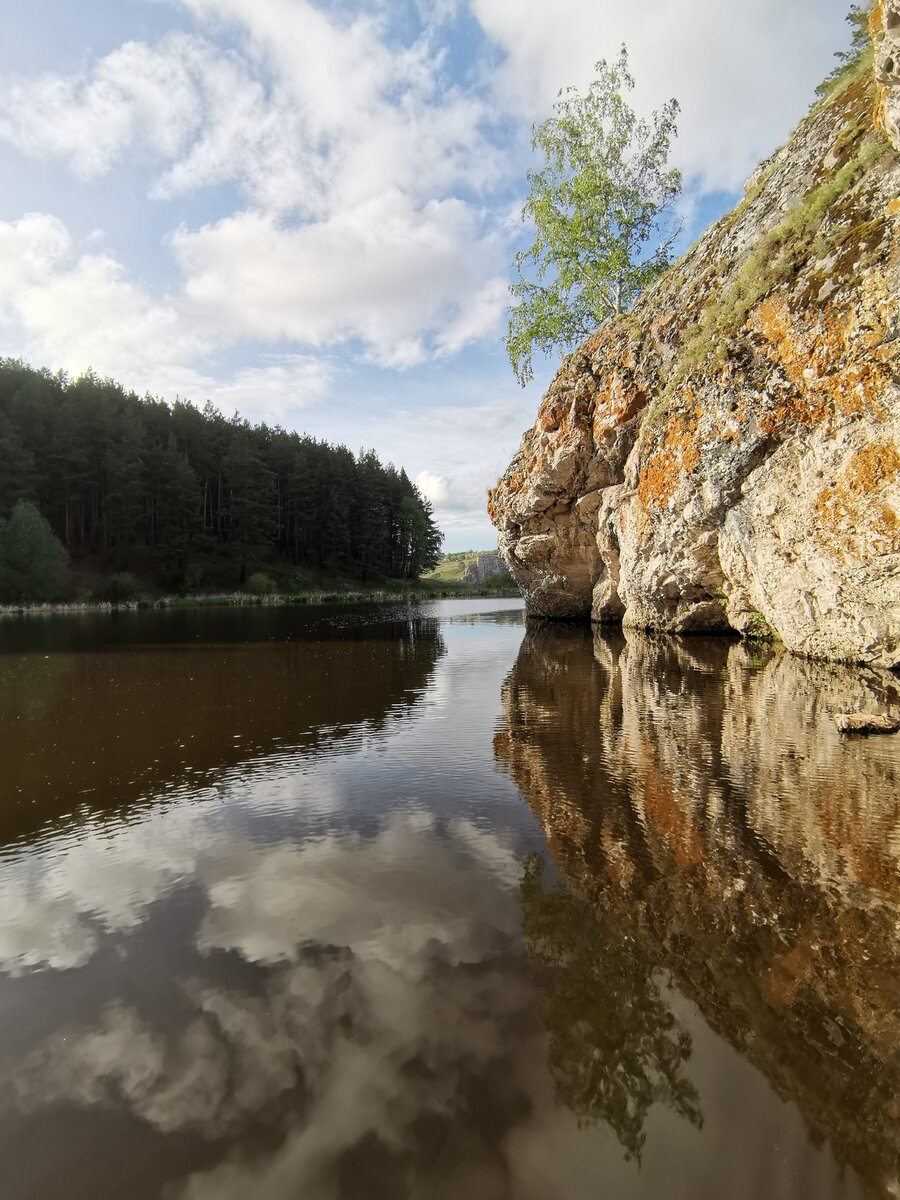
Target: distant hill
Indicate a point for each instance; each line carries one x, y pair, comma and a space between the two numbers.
469, 567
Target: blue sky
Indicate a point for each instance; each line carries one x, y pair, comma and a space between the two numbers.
307, 212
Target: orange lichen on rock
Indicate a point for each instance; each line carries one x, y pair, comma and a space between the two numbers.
830, 363
787, 974
667, 818
618, 401
853, 517
876, 32
678, 455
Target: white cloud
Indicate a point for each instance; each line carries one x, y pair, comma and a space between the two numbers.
270, 392
315, 116
76, 311
136, 93
433, 487
384, 272
482, 317
744, 73
245, 278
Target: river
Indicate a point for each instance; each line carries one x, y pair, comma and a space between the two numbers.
422, 901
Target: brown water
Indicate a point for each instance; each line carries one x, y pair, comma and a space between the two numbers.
412, 902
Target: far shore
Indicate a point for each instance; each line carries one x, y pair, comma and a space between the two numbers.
239, 599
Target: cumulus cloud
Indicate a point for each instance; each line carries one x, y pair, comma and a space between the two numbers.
314, 115
76, 310
433, 487
383, 272
246, 278
137, 93
743, 73
350, 153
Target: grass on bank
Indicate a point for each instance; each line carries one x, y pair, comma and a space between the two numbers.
125, 592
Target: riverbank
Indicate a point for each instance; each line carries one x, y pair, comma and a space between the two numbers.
361, 594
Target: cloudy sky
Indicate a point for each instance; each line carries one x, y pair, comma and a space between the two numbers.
307, 212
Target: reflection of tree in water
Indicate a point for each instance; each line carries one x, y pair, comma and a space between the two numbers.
616, 1048
117, 711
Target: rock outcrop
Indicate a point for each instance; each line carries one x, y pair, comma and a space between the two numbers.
727, 455
482, 567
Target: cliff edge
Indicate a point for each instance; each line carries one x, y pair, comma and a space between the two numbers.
727, 455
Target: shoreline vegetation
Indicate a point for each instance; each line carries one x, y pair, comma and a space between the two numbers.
330, 593
106, 495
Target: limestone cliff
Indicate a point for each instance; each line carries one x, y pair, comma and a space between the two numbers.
727, 455
482, 567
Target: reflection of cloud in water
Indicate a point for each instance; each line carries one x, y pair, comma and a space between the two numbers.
390, 1003
390, 898
57, 898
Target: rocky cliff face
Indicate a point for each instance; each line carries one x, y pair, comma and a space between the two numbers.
482, 567
728, 454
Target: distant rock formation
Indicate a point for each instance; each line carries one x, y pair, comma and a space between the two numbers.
727, 455
482, 567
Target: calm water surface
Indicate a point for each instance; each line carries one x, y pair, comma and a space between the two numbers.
420, 902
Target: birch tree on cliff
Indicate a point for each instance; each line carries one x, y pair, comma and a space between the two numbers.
601, 207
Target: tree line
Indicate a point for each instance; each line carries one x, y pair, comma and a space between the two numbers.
186, 497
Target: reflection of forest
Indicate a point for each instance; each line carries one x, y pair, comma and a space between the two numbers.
697, 796
95, 729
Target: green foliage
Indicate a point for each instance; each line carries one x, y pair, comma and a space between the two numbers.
34, 565
502, 581
850, 60
260, 584
599, 206
759, 629
121, 587
176, 495
192, 580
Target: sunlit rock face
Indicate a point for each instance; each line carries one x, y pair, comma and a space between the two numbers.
482, 567
715, 817
728, 454
885, 23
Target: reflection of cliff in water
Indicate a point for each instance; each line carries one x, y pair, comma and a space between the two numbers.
163, 704
698, 797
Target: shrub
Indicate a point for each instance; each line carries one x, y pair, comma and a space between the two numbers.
193, 577
34, 564
260, 584
121, 587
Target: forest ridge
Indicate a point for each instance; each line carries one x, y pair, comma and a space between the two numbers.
188, 498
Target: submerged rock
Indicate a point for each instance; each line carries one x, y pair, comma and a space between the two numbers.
866, 723
727, 456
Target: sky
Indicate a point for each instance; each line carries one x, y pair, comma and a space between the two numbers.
308, 212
